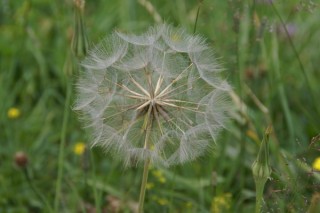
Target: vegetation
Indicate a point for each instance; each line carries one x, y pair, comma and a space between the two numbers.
270, 50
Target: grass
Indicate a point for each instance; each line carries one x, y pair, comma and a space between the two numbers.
275, 79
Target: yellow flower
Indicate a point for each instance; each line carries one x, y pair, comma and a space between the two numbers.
221, 203
79, 148
13, 113
159, 175
316, 164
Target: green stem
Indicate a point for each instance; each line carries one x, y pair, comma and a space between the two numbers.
95, 191
259, 195
282, 93
35, 190
296, 53
61, 148
144, 184
148, 124
197, 16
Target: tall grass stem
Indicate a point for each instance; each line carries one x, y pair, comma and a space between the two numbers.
35, 190
197, 16
297, 56
62, 146
94, 176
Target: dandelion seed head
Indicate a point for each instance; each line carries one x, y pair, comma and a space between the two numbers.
154, 96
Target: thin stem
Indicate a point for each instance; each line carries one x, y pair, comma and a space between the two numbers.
146, 163
35, 190
95, 191
296, 53
144, 184
259, 196
61, 148
197, 16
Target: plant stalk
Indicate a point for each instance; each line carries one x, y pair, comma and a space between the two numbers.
35, 190
95, 190
144, 184
197, 16
259, 195
148, 124
62, 146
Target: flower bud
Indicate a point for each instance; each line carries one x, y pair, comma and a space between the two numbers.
21, 159
79, 40
260, 171
260, 167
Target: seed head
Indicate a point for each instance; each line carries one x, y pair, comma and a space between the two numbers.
21, 159
154, 96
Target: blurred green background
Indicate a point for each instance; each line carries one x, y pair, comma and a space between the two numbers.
270, 50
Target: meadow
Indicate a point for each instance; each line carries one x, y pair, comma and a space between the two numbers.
270, 53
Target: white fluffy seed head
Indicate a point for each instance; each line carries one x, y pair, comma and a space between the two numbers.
154, 96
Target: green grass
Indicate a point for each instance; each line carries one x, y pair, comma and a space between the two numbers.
276, 79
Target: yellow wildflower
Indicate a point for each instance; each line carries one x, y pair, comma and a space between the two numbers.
13, 113
221, 203
316, 164
79, 148
159, 175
